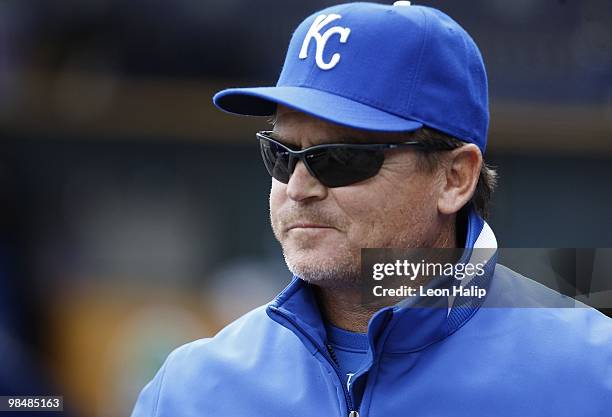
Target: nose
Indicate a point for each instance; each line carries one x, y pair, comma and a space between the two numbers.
303, 186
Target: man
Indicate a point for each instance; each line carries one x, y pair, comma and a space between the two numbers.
380, 124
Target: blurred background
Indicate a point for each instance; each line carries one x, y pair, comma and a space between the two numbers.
134, 214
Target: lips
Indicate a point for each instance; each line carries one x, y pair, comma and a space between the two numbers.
308, 226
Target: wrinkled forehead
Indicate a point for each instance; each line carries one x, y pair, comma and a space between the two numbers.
300, 129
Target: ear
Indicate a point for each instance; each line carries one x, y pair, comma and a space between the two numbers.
461, 173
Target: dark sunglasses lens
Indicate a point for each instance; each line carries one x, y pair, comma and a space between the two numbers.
341, 166
276, 160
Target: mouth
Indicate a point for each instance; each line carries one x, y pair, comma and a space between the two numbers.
308, 226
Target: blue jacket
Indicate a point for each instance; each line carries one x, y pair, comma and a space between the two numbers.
466, 360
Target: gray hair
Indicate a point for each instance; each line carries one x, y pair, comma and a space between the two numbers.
487, 180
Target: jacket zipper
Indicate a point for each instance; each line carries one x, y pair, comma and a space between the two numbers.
347, 395
332, 360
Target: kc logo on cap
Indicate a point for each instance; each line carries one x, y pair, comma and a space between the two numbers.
321, 39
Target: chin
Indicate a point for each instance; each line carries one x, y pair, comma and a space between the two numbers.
323, 268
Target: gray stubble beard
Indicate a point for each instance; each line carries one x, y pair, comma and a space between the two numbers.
341, 273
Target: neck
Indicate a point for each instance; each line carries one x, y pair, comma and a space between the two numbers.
342, 306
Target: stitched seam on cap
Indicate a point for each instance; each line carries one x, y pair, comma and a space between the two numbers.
463, 134
417, 75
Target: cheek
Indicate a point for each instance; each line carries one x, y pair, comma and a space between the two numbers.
278, 200
363, 208
277, 196
382, 212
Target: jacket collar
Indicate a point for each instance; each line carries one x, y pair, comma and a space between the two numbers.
402, 327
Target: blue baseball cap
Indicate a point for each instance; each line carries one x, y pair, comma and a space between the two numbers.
381, 68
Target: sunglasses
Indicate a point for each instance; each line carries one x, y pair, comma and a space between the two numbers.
333, 165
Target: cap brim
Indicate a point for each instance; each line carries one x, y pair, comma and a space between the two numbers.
262, 101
